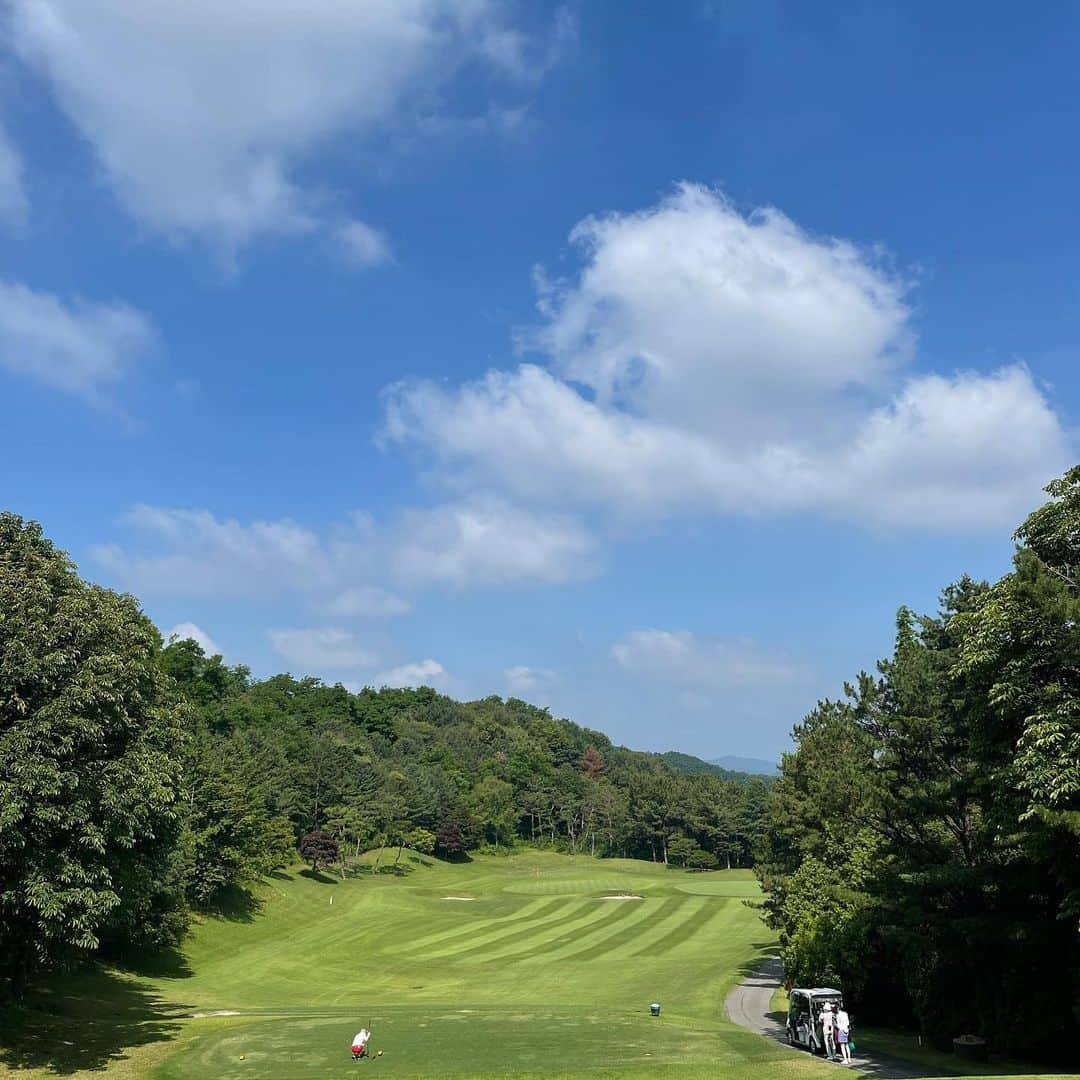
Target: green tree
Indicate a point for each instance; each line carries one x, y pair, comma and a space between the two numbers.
421, 840
90, 745
492, 803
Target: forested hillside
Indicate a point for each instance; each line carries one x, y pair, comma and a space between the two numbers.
141, 780
923, 846
391, 767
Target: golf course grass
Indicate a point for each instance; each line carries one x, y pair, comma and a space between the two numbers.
529, 964
541, 963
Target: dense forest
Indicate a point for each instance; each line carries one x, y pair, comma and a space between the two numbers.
923, 844
143, 780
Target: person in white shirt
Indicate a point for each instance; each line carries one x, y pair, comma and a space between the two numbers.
359, 1044
843, 1034
828, 1029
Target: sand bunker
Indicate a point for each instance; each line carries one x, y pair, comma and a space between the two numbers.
457, 897
218, 1012
622, 896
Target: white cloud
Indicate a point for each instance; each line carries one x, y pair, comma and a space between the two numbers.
180, 552
695, 314
971, 448
421, 673
78, 347
193, 553
13, 200
203, 114
680, 657
316, 648
488, 541
521, 679
362, 246
188, 630
734, 363
368, 601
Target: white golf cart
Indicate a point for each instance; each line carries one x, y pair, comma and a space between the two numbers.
804, 1017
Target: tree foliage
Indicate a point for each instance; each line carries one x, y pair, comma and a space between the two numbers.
923, 842
90, 746
319, 848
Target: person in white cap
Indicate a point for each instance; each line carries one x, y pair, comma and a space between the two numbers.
828, 1029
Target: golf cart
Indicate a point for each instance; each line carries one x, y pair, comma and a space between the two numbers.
804, 1017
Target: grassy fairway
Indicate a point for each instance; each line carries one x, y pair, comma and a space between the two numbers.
537, 974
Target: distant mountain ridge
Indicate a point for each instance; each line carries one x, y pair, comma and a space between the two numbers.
757, 766
688, 765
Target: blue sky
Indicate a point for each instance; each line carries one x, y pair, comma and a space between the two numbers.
634, 359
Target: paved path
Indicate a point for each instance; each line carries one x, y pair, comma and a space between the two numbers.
748, 1005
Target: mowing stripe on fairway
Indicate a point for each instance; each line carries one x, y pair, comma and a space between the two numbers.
567, 908
492, 945
534, 909
546, 945
574, 886
555, 932
525, 945
629, 933
694, 922
686, 908
629, 917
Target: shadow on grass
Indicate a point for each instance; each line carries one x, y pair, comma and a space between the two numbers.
234, 904
760, 959
455, 858
400, 870
155, 964
320, 877
84, 1021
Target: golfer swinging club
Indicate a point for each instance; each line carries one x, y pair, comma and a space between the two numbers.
359, 1044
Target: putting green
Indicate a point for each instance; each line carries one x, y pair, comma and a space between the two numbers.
537, 975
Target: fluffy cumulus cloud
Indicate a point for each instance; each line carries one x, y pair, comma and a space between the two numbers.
421, 673
186, 631
182, 552
77, 346
694, 314
709, 360
194, 553
203, 114
318, 648
491, 542
683, 658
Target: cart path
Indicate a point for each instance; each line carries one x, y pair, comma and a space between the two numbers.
748, 1005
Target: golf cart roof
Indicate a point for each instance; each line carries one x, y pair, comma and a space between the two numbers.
818, 991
